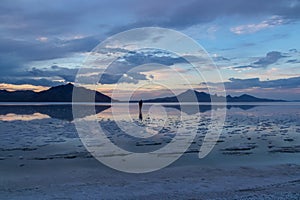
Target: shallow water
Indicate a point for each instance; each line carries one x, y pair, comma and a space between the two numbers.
251, 134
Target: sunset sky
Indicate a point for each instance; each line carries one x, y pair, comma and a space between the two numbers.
255, 44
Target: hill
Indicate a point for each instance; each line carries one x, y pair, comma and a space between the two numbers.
189, 96
62, 93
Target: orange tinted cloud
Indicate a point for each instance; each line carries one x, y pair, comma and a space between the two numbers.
12, 87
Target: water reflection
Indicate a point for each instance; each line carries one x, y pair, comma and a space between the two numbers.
140, 110
251, 133
190, 109
16, 117
33, 112
64, 112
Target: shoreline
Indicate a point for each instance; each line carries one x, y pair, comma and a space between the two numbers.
154, 103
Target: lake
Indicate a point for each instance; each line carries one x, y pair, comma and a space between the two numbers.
41, 150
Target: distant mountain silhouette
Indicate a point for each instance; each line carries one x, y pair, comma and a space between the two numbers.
62, 93
195, 96
187, 96
249, 98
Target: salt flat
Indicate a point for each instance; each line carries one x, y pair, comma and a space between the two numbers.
256, 157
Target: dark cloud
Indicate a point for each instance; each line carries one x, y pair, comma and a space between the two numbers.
196, 12
152, 56
293, 50
242, 84
67, 74
9, 64
121, 78
35, 50
23, 22
271, 58
126, 69
122, 70
64, 17
57, 17
255, 82
40, 77
220, 58
34, 17
16, 55
32, 81
293, 61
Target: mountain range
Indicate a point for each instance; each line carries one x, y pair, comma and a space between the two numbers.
195, 96
63, 93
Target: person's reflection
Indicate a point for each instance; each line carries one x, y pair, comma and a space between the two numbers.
140, 110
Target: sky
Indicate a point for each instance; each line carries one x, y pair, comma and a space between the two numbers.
254, 44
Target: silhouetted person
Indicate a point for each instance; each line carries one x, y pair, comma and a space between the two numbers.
140, 109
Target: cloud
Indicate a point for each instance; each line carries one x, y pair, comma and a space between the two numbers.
243, 84
33, 18
30, 81
128, 68
35, 50
27, 19
183, 15
152, 56
9, 64
122, 78
122, 70
55, 18
270, 58
293, 61
67, 74
48, 77
32, 29
16, 55
12, 87
253, 28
